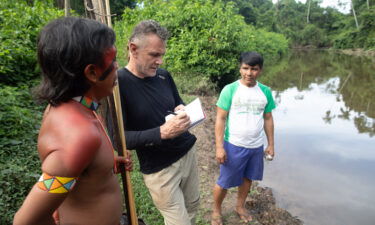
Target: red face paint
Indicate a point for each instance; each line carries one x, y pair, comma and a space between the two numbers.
108, 64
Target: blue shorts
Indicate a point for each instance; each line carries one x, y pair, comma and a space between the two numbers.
241, 163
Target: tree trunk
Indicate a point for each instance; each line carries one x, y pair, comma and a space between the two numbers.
308, 12
368, 4
355, 16
67, 7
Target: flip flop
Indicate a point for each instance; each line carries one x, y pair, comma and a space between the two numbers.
216, 220
245, 217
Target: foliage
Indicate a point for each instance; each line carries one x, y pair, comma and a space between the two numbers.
19, 162
206, 38
20, 25
362, 38
309, 24
312, 35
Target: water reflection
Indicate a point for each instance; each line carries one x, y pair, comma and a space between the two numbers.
325, 123
350, 79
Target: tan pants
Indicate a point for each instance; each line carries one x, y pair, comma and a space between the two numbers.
175, 190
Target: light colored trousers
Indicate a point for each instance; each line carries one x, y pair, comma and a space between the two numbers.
175, 190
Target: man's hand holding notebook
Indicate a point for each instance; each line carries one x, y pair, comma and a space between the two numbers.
194, 110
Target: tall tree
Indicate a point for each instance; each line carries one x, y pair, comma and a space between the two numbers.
308, 11
354, 14
67, 7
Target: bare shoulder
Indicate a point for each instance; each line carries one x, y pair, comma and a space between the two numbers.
69, 139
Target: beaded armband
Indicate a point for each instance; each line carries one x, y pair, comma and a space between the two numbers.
55, 184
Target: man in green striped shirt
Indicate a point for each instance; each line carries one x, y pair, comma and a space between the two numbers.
244, 114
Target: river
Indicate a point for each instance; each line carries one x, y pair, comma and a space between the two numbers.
324, 169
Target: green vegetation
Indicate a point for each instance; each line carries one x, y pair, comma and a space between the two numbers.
308, 24
20, 24
19, 116
206, 38
19, 161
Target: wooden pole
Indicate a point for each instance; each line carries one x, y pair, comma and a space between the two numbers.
129, 195
108, 12
132, 213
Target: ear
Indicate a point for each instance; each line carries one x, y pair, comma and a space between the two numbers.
132, 47
91, 74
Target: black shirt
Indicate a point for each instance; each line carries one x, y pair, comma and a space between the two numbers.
145, 103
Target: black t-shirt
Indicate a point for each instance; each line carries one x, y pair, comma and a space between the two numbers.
145, 103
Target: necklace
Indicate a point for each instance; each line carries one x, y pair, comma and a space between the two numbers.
91, 104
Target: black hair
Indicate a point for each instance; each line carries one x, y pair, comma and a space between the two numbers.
65, 47
251, 59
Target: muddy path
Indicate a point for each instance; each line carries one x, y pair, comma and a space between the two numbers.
260, 201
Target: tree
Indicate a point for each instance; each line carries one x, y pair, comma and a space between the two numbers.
354, 14
206, 37
67, 7
308, 11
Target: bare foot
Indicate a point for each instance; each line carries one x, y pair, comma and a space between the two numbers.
244, 215
216, 219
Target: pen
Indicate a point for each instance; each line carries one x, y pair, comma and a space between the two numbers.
171, 112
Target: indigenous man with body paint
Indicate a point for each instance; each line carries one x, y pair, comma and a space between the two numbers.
244, 114
78, 185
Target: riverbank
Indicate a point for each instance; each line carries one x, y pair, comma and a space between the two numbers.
261, 202
353, 52
358, 52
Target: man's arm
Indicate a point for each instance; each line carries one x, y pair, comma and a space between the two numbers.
69, 161
221, 117
269, 130
170, 129
38, 208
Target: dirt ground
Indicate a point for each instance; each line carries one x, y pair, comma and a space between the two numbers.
260, 201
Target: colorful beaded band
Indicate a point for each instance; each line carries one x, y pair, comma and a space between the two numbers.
55, 184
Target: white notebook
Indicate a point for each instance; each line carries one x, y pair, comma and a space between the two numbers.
195, 112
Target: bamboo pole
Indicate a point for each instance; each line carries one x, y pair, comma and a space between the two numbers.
108, 12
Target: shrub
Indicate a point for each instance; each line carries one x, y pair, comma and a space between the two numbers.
206, 38
313, 35
19, 161
20, 25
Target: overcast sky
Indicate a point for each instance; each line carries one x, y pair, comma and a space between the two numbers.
332, 3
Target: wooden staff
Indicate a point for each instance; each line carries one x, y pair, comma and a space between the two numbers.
128, 193
125, 175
